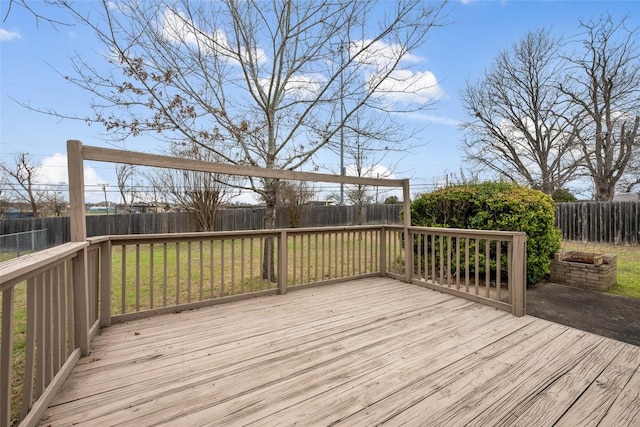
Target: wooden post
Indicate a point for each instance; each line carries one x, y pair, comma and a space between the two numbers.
282, 263
78, 226
519, 275
408, 245
75, 166
105, 283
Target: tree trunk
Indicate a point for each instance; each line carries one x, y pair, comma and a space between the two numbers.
604, 191
268, 263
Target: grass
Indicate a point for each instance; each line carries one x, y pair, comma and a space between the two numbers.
628, 265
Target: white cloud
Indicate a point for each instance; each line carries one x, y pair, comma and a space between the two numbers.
401, 84
53, 171
302, 87
178, 28
408, 86
381, 55
8, 35
431, 118
375, 171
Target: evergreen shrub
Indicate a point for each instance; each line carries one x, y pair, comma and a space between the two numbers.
495, 206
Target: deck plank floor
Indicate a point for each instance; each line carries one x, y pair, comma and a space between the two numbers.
366, 352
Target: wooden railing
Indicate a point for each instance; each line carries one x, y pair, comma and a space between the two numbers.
54, 301
484, 266
143, 275
42, 323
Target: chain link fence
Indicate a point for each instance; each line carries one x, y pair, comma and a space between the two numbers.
17, 244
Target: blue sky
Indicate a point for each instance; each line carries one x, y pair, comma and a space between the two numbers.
31, 52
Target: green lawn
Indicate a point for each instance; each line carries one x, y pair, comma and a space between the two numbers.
628, 265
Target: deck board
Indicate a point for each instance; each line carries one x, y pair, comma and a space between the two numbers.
365, 352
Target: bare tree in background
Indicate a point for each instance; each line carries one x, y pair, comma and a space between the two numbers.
125, 175
34, 8
371, 140
292, 197
53, 202
603, 85
257, 83
630, 181
521, 125
201, 193
20, 179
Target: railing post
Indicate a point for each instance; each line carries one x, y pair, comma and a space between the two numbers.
105, 283
519, 274
282, 263
383, 251
78, 226
408, 244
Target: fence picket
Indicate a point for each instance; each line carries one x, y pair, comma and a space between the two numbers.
600, 222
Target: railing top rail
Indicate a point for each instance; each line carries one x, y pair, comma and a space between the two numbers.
147, 159
127, 238
504, 235
21, 268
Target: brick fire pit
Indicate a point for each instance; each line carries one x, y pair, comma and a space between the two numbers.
584, 270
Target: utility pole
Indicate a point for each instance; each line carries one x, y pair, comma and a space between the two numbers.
106, 203
342, 170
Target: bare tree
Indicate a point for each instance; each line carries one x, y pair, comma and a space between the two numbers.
34, 9
370, 140
256, 83
20, 179
292, 197
125, 175
54, 202
521, 123
603, 86
201, 193
630, 181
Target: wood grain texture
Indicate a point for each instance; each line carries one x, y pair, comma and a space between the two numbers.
365, 352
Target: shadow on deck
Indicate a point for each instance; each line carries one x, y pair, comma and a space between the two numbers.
363, 352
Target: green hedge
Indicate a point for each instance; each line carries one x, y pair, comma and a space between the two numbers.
495, 206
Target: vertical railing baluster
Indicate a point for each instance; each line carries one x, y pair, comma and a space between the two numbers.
189, 271
222, 245
315, 237
123, 281
242, 264
137, 278
251, 261
30, 343
48, 328
308, 258
165, 275
40, 332
151, 278
477, 266
487, 251
211, 272
200, 296
498, 268
177, 273
466, 264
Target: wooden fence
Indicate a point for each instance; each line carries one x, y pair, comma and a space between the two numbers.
600, 222
184, 222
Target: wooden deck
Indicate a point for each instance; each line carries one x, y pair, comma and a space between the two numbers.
360, 353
